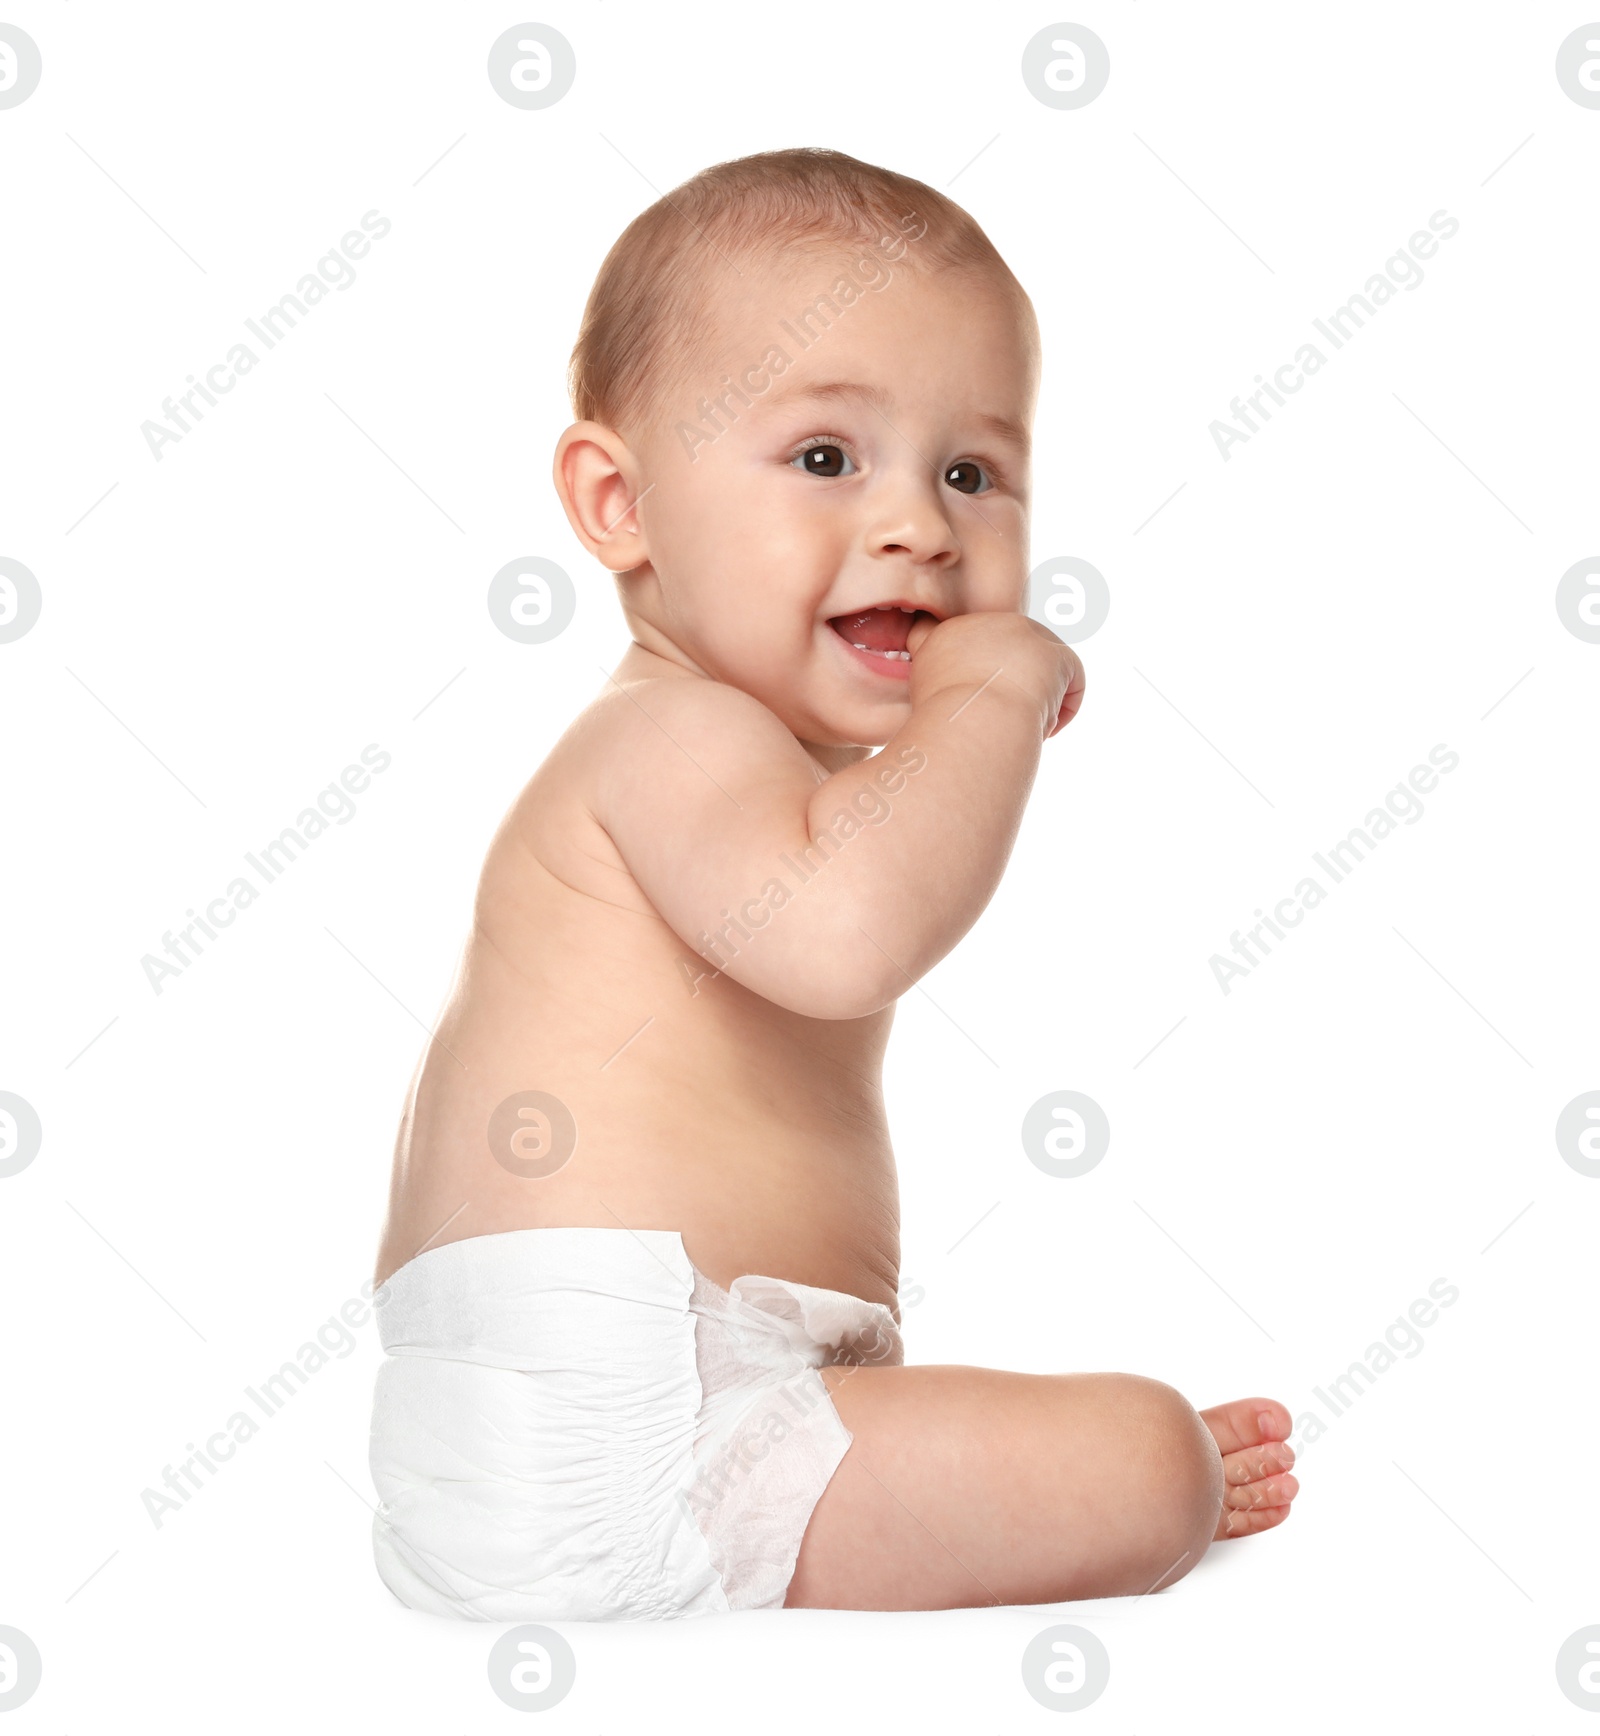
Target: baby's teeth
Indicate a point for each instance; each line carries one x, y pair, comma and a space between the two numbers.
858, 647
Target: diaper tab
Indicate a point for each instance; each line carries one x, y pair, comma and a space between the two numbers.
827, 1327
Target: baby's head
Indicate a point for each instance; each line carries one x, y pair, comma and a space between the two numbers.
804, 387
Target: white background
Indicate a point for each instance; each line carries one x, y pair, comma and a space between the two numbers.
1289, 634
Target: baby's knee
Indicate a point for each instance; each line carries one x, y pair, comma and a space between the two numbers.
1182, 1475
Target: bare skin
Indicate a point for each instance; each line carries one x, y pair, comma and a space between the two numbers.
693, 924
1031, 1488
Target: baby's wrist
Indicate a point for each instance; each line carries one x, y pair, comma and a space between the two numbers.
952, 696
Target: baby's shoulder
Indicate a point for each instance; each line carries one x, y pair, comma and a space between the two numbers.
669, 739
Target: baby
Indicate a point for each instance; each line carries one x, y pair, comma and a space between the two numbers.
641, 1256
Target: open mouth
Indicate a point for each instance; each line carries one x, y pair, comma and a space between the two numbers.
877, 638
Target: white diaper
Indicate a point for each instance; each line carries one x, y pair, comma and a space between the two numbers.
578, 1425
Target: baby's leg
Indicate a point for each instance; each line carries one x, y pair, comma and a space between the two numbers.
970, 1486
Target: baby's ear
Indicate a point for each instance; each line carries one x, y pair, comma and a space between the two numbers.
596, 476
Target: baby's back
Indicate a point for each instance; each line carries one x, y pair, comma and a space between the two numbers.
590, 1068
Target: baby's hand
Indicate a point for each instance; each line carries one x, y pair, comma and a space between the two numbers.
993, 647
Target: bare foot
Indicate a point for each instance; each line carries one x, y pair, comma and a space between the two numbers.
1252, 1435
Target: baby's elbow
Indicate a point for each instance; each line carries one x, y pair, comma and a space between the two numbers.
838, 1002
835, 987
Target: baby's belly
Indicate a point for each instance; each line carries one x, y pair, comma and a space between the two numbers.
778, 1205
758, 1135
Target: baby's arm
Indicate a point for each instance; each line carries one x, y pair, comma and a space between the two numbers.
714, 807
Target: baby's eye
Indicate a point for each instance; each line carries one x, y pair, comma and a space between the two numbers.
824, 460
968, 478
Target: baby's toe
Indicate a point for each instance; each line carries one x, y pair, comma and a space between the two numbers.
1247, 1422
1266, 1492
1254, 1463
1245, 1522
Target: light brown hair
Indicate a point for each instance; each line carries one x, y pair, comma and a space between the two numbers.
647, 308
